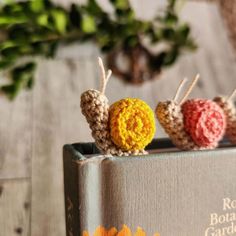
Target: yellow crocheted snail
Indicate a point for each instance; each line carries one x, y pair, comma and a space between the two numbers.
194, 124
228, 106
125, 128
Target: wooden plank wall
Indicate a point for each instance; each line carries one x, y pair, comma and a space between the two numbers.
34, 127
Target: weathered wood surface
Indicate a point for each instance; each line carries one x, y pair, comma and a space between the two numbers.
15, 133
34, 128
15, 207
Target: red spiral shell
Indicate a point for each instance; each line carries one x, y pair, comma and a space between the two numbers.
205, 121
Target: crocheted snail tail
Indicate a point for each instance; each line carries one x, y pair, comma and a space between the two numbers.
95, 107
227, 104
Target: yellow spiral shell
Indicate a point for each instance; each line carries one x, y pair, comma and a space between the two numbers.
132, 124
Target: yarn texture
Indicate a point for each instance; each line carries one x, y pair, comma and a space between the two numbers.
132, 124
129, 118
95, 108
171, 118
205, 121
230, 113
195, 124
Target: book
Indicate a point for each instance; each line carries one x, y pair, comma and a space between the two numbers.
172, 192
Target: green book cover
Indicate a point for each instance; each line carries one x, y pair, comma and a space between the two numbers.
172, 192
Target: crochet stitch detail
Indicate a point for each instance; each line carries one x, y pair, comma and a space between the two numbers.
171, 118
230, 113
95, 108
132, 124
205, 121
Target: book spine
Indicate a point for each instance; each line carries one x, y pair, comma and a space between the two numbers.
72, 213
90, 193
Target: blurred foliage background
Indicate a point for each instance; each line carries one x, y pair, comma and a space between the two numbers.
36, 28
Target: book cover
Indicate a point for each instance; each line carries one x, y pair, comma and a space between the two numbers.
171, 192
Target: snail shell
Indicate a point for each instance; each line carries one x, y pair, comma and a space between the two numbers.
230, 112
132, 124
124, 129
205, 121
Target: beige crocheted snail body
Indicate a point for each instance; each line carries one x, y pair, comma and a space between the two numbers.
195, 124
95, 108
123, 129
171, 119
228, 106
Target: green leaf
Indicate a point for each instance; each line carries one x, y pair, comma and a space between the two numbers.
37, 5
19, 34
170, 19
88, 24
22, 77
5, 64
170, 57
10, 54
30, 83
60, 20
93, 8
25, 49
131, 41
52, 47
182, 34
190, 44
11, 7
10, 90
168, 34
28, 68
120, 4
42, 19
7, 44
8, 20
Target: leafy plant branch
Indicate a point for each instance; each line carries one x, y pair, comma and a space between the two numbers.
37, 27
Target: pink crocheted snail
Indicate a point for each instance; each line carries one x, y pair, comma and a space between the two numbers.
194, 124
122, 129
227, 104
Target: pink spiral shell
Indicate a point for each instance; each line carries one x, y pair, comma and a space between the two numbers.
205, 121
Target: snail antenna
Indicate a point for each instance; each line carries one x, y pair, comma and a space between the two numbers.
190, 88
179, 89
105, 77
232, 95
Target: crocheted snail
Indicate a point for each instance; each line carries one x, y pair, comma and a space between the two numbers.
227, 104
122, 129
194, 124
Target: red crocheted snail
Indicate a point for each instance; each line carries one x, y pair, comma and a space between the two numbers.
194, 124
227, 104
